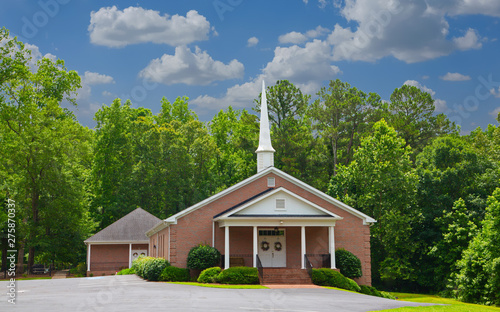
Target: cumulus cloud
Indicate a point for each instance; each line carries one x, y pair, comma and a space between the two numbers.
115, 28
409, 30
469, 41
454, 77
91, 78
440, 104
252, 41
190, 68
306, 67
298, 38
292, 37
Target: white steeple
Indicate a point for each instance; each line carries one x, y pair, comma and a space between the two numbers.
265, 151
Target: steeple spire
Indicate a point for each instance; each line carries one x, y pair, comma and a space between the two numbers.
265, 151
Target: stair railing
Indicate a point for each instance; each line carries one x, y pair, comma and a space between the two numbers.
260, 268
309, 265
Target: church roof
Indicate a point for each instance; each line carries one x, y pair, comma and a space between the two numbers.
131, 228
173, 219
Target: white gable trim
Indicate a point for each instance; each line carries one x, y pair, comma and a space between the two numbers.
280, 189
367, 220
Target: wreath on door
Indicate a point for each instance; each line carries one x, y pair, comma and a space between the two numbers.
264, 246
278, 246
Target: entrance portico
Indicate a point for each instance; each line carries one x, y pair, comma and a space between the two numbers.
270, 216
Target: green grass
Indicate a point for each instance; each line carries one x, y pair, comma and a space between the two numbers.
329, 287
451, 304
220, 285
28, 278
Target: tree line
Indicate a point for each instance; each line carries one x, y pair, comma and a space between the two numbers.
434, 193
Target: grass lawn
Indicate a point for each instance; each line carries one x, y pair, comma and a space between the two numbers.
452, 304
220, 285
28, 278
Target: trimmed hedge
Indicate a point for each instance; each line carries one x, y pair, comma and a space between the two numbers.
209, 275
149, 268
329, 277
174, 274
239, 275
202, 257
348, 263
126, 272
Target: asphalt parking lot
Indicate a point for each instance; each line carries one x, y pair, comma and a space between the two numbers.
130, 293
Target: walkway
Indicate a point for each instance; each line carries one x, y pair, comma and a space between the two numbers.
60, 274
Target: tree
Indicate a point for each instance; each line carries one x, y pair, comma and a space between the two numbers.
339, 115
412, 114
381, 182
478, 280
236, 134
44, 150
292, 137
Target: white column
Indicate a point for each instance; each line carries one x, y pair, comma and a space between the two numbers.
255, 249
302, 246
129, 256
88, 257
226, 248
331, 239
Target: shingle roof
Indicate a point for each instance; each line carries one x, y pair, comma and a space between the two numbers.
130, 228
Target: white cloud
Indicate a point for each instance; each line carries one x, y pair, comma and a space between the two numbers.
454, 77
468, 7
190, 68
440, 104
495, 112
298, 38
107, 93
469, 41
115, 28
91, 78
292, 37
252, 41
306, 67
409, 30
495, 93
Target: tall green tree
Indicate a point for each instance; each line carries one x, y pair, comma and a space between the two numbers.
43, 150
298, 151
340, 117
412, 114
381, 182
478, 280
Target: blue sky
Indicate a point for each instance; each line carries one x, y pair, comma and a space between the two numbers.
217, 52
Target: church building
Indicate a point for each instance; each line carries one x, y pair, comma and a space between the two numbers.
270, 219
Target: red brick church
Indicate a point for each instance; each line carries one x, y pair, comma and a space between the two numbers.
270, 218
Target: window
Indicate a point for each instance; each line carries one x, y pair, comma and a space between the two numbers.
280, 203
271, 182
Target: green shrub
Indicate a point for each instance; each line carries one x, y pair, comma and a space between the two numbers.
154, 267
174, 274
372, 291
202, 257
348, 263
80, 269
387, 295
139, 263
126, 271
209, 275
239, 275
353, 285
329, 277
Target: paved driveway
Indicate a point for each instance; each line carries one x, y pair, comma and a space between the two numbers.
130, 293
